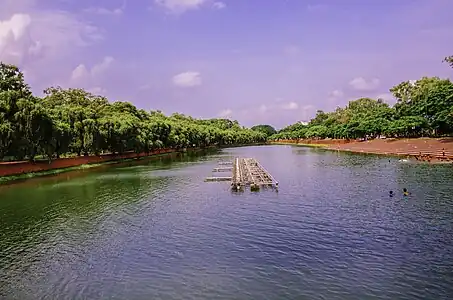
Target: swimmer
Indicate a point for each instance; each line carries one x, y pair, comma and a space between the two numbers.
405, 192
391, 193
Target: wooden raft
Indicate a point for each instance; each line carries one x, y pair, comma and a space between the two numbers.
246, 172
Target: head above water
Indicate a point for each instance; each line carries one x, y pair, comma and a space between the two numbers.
405, 190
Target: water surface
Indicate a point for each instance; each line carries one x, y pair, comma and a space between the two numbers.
155, 230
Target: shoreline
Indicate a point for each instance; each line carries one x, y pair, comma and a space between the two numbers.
39, 169
431, 150
302, 144
22, 170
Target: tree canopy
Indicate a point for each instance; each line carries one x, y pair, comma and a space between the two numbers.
268, 130
75, 121
422, 108
449, 60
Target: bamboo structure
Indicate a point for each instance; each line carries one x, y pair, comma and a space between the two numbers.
245, 172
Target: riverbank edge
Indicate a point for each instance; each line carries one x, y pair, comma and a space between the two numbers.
14, 176
30, 175
54, 171
302, 144
334, 147
330, 148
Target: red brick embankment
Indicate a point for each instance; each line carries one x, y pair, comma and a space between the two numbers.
315, 142
22, 167
425, 149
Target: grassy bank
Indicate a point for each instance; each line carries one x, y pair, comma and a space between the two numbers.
302, 144
29, 175
7, 179
24, 176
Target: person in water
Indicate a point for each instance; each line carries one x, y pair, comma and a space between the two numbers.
405, 192
391, 193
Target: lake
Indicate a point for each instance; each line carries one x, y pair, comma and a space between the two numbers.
156, 230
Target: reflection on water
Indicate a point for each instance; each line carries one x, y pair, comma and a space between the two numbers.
155, 230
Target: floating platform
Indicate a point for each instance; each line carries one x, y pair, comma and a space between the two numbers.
246, 172
228, 169
249, 172
218, 179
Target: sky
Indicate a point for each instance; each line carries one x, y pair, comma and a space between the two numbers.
259, 62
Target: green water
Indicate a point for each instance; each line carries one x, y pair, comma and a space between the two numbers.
155, 230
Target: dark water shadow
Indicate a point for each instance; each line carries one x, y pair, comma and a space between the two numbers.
158, 161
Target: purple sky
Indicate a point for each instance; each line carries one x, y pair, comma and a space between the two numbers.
273, 61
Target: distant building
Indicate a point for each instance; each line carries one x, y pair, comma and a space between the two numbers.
303, 123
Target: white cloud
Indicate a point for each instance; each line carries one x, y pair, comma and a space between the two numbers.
291, 50
97, 90
37, 35
306, 112
180, 6
278, 109
102, 66
361, 84
14, 28
145, 86
307, 107
81, 72
387, 97
84, 77
290, 106
225, 113
36, 49
11, 32
336, 94
187, 79
317, 7
280, 105
104, 11
61, 31
219, 5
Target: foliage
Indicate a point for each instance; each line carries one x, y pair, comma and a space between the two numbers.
75, 121
423, 108
268, 130
449, 60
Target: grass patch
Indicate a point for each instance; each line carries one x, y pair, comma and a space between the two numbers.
304, 145
9, 179
314, 145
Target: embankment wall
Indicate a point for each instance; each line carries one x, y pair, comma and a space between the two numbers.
316, 142
22, 167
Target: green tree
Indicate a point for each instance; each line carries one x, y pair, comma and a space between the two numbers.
268, 130
423, 107
449, 60
74, 121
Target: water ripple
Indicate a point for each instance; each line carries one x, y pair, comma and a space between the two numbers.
157, 231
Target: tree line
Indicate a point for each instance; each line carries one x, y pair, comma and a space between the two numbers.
423, 108
74, 121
